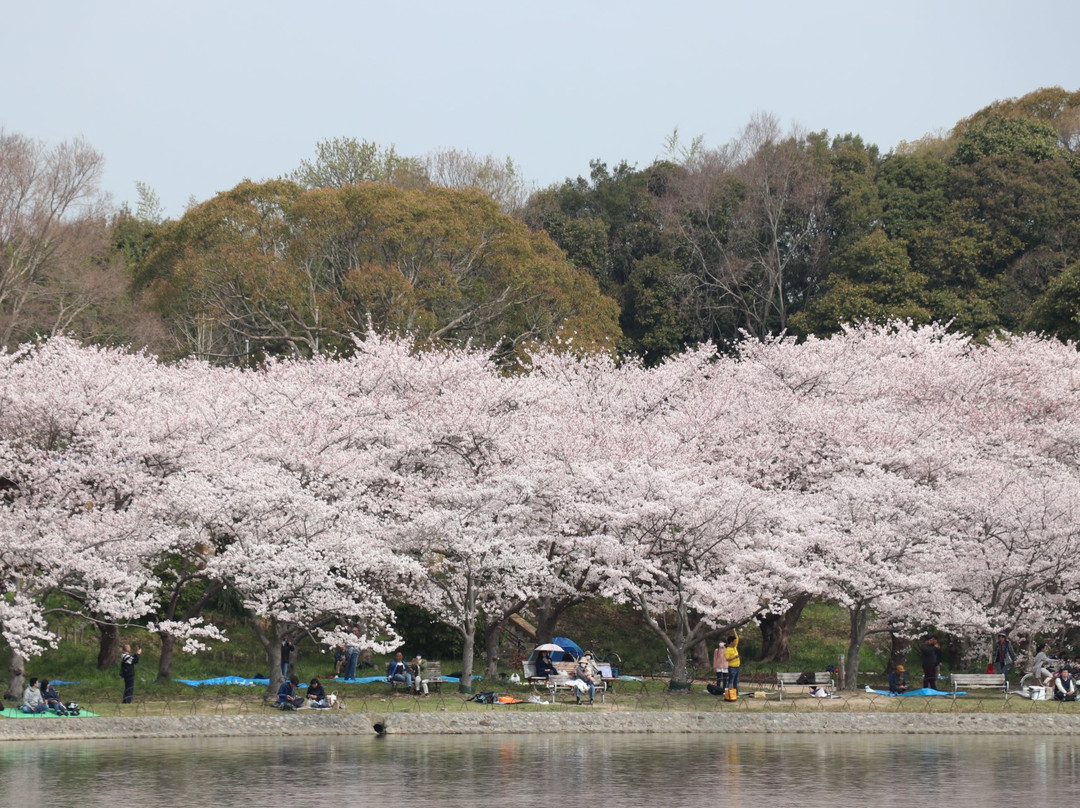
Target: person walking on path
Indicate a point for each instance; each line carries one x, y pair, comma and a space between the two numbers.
930, 653
128, 661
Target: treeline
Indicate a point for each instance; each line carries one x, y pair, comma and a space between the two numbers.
778, 230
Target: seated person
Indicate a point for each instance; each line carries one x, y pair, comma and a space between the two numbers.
544, 666
316, 695
898, 681
1041, 665
1065, 686
398, 671
31, 698
286, 695
52, 698
419, 667
583, 672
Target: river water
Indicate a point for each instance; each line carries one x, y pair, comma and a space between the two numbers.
539, 771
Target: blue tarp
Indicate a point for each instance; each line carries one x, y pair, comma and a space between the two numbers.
568, 646
922, 691
224, 680
240, 680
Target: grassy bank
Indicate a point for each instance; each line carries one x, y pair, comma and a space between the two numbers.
819, 641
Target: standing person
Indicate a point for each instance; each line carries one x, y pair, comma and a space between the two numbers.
287, 649
734, 663
128, 661
720, 665
930, 653
398, 671
1004, 656
352, 654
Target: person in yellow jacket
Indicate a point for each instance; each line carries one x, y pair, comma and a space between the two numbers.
734, 664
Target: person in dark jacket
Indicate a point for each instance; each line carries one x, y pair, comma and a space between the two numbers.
287, 699
1004, 655
897, 681
398, 671
930, 651
51, 697
128, 661
544, 666
316, 694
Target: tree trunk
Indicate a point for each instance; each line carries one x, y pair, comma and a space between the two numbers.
859, 614
469, 634
492, 640
898, 649
680, 680
16, 676
547, 617
271, 643
108, 646
776, 631
164, 671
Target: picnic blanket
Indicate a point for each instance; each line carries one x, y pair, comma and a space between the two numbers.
15, 712
922, 691
242, 680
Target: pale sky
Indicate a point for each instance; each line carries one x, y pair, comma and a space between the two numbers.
192, 97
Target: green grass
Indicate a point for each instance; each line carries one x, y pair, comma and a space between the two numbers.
820, 639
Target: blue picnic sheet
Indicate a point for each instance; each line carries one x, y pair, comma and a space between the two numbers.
922, 691
241, 680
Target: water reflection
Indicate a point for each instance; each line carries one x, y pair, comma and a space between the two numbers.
662, 770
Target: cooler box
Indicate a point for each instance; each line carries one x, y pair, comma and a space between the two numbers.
1037, 693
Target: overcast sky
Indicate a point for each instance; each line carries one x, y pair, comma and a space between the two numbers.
191, 97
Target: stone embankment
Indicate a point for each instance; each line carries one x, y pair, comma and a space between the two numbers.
506, 720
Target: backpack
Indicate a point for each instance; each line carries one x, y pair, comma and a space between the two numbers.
71, 708
714, 689
486, 697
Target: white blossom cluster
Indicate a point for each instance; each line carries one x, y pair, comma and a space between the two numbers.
913, 476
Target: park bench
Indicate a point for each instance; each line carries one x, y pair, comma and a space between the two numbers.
562, 682
434, 677
967, 681
803, 679
434, 680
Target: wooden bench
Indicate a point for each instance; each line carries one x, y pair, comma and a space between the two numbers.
434, 676
563, 681
967, 681
803, 679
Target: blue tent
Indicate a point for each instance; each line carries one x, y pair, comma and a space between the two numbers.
570, 649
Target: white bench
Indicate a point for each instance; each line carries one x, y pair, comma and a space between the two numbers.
967, 681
